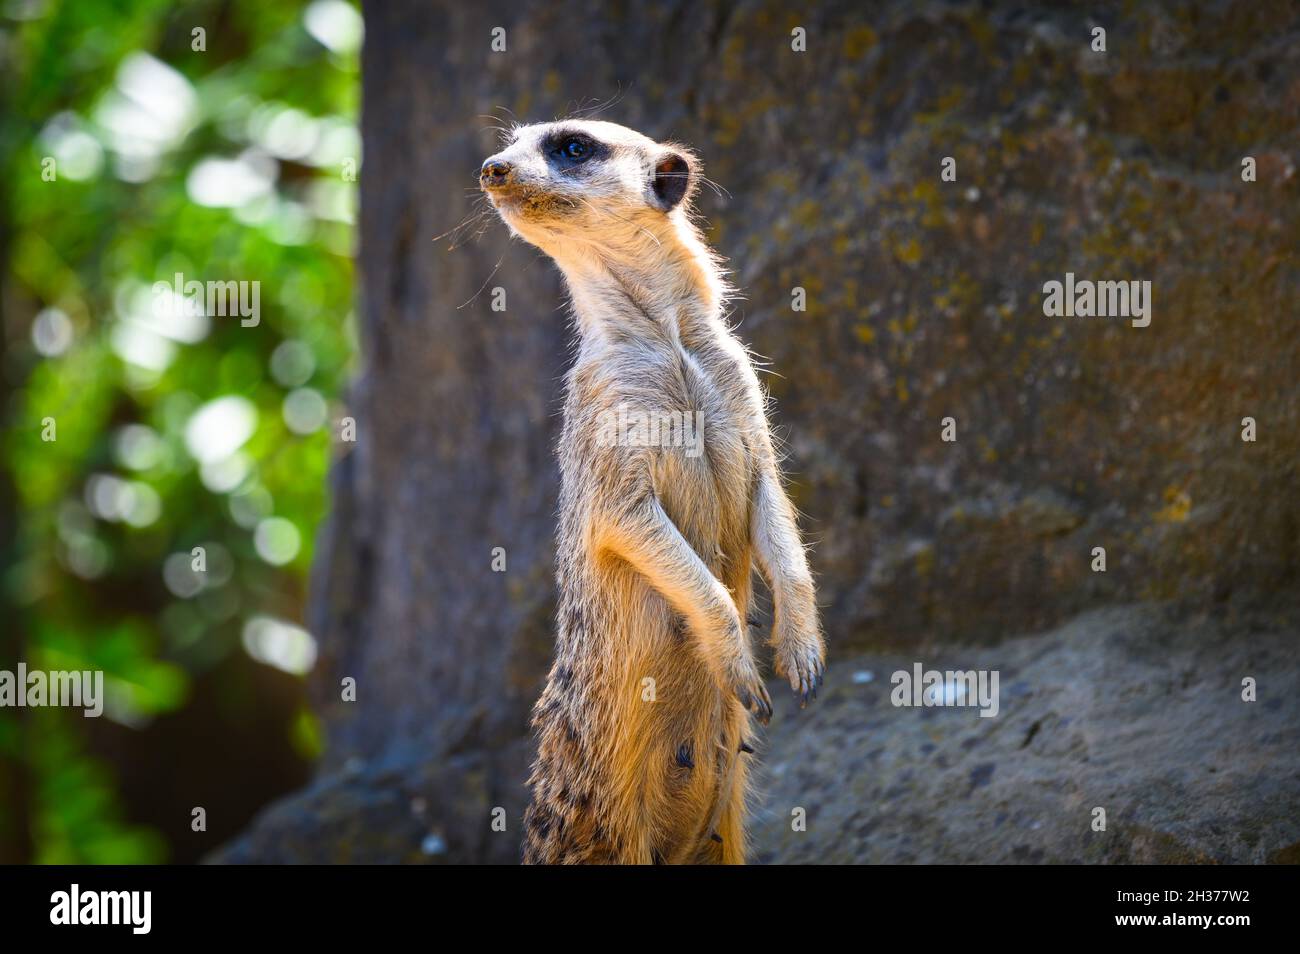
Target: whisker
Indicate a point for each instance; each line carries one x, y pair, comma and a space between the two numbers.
598, 106
507, 130
493, 121
718, 190
485, 283
472, 218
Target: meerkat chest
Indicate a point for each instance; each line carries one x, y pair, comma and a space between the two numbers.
675, 416
702, 464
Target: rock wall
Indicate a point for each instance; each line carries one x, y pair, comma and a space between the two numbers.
1134, 710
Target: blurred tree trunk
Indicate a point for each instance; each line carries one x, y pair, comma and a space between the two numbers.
454, 412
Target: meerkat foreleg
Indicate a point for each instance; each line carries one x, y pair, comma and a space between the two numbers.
796, 632
644, 536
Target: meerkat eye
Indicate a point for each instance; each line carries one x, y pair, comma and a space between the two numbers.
576, 149
569, 150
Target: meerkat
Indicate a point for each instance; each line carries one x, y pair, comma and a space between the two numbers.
643, 728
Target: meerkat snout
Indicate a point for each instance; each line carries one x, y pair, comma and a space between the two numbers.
495, 173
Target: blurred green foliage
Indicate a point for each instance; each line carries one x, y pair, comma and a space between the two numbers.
141, 139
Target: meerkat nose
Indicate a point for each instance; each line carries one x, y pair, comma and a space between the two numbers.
495, 172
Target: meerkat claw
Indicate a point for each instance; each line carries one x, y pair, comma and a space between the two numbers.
684, 756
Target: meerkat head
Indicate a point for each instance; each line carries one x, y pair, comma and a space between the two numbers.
580, 185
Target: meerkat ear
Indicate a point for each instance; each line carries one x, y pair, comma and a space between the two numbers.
672, 180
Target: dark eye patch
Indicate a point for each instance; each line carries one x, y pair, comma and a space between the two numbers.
568, 149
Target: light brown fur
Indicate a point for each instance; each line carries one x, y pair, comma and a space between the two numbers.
642, 721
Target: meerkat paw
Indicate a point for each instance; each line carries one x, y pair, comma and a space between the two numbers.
803, 663
749, 688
